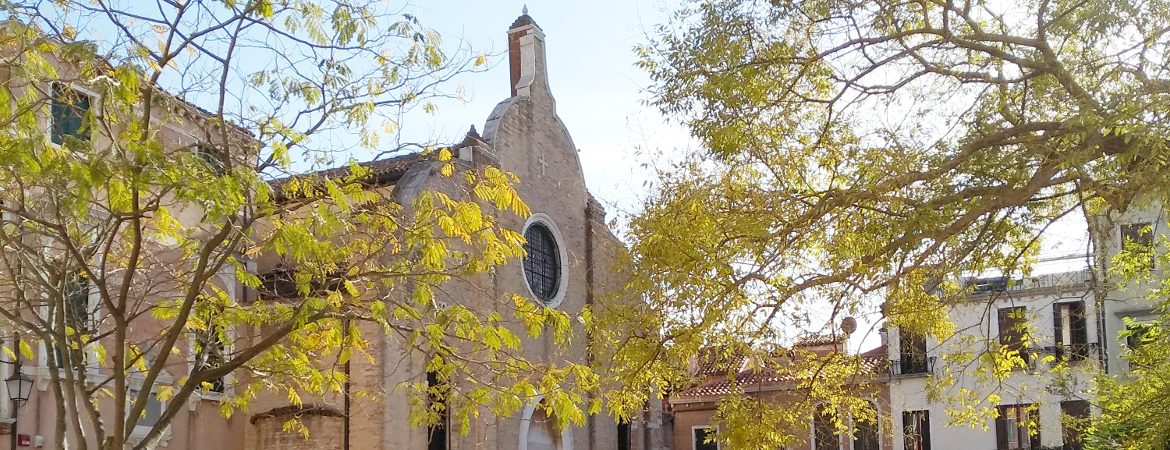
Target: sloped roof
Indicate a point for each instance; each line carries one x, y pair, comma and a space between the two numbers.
817, 340
718, 361
382, 171
876, 352
718, 383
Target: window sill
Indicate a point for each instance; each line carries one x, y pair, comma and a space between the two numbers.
140, 433
211, 396
43, 376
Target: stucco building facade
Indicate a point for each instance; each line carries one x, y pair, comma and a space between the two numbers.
1067, 326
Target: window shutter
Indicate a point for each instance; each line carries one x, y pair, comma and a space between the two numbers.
1008, 334
908, 433
912, 351
1001, 429
1080, 324
1058, 330
1003, 324
1012, 328
1034, 417
1074, 417
925, 427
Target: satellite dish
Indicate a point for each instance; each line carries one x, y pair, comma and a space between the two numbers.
849, 325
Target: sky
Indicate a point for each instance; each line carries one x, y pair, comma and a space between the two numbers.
600, 97
599, 91
600, 94
590, 63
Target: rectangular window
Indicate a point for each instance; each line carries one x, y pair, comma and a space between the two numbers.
1138, 334
437, 433
701, 436
1013, 427
1139, 239
1013, 325
78, 317
213, 158
281, 284
69, 111
77, 311
912, 353
1074, 417
1070, 328
151, 413
916, 430
210, 353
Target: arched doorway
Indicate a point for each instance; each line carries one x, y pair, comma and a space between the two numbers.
538, 431
542, 433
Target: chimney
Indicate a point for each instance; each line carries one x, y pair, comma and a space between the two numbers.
525, 54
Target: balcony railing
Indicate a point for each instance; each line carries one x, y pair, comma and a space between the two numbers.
912, 367
1074, 352
1078, 279
1030, 355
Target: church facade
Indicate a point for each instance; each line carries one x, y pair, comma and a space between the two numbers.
570, 264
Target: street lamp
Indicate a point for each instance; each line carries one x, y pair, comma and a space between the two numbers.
19, 387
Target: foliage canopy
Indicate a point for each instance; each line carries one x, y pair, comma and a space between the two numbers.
864, 153
141, 144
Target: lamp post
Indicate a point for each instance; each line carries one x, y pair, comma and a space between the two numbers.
19, 387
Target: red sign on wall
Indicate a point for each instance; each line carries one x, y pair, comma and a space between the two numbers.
23, 440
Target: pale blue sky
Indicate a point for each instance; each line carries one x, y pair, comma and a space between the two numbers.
599, 92
589, 48
590, 65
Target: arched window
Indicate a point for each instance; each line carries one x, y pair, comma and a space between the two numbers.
542, 262
865, 428
825, 429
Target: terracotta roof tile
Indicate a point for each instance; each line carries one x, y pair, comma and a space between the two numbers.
876, 352
718, 361
816, 340
383, 171
717, 384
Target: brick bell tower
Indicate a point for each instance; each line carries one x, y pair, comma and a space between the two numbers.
526, 57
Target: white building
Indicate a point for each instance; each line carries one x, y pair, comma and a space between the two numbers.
1069, 327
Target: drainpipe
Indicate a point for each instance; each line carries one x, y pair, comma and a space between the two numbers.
346, 400
590, 210
1098, 277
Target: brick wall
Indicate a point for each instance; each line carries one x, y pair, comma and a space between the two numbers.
324, 425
